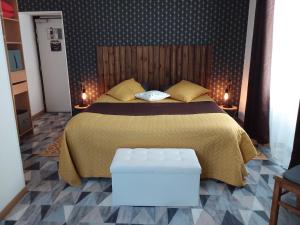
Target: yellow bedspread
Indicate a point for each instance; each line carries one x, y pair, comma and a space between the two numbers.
90, 141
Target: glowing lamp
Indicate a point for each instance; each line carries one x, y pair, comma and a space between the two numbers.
83, 97
227, 96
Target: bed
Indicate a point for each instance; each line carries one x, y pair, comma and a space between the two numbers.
91, 138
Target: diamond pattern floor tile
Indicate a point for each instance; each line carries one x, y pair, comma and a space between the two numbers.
51, 201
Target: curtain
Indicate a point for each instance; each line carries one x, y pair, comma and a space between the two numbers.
295, 160
285, 80
256, 121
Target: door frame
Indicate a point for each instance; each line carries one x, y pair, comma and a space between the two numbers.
49, 14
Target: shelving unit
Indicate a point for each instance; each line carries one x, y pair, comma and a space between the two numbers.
18, 78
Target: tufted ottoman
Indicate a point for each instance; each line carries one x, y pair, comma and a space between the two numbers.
155, 177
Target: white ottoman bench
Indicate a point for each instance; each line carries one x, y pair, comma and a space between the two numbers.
155, 177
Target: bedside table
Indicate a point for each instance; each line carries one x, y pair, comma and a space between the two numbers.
79, 109
232, 111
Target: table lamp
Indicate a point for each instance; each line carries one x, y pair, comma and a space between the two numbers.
227, 96
83, 96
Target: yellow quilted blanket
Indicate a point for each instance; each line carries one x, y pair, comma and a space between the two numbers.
90, 141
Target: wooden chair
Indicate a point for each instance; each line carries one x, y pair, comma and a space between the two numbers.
289, 183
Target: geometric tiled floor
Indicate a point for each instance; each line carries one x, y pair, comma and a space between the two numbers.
51, 201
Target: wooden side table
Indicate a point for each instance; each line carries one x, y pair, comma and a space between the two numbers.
232, 111
79, 109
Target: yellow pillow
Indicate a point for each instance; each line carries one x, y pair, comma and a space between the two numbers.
186, 91
126, 90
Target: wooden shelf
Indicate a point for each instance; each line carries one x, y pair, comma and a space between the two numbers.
10, 19
12, 72
12, 30
13, 43
17, 76
20, 88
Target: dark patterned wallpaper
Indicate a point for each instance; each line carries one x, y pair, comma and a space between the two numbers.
88, 23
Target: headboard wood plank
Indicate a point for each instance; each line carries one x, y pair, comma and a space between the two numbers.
100, 69
151, 66
111, 61
145, 64
139, 63
156, 78
117, 64
197, 65
122, 63
173, 64
105, 69
161, 65
208, 67
134, 63
168, 65
185, 61
203, 69
191, 63
179, 62
158, 66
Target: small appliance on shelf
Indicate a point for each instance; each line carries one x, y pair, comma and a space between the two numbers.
7, 9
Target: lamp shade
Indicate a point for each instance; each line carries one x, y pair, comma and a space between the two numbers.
83, 96
226, 95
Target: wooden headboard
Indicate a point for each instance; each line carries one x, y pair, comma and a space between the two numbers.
158, 66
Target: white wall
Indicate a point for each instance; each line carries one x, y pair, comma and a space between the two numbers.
247, 59
11, 169
31, 63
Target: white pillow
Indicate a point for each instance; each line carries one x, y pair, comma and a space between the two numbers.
152, 95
